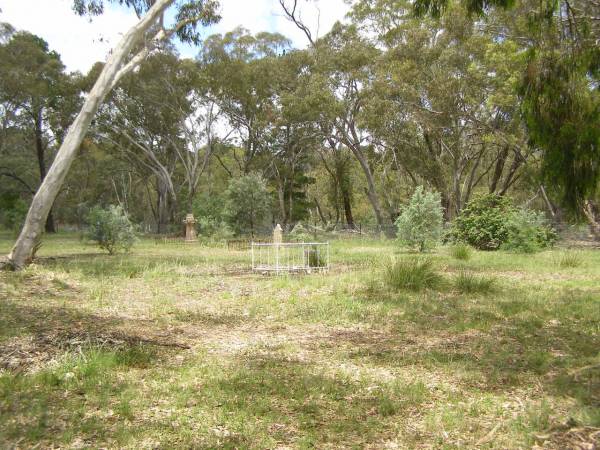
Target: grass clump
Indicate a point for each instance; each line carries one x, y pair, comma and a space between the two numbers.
570, 259
414, 274
461, 252
469, 283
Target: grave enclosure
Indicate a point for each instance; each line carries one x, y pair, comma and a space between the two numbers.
289, 257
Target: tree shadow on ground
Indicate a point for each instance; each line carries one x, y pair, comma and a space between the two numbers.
32, 334
510, 345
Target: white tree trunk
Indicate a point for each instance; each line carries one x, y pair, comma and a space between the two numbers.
50, 187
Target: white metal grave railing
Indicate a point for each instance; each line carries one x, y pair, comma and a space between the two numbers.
290, 257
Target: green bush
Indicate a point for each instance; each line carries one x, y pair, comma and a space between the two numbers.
111, 229
300, 234
413, 274
461, 251
483, 223
528, 232
469, 283
420, 223
490, 222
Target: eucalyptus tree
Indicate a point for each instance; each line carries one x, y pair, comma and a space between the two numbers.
559, 89
342, 73
240, 67
443, 107
199, 128
291, 138
336, 159
143, 119
153, 28
38, 101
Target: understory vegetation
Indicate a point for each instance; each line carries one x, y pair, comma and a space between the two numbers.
179, 346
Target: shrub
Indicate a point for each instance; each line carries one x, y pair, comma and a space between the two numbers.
413, 274
483, 223
528, 232
461, 251
570, 259
489, 222
315, 257
300, 233
420, 223
111, 229
469, 283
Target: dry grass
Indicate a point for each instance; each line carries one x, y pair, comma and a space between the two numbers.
180, 347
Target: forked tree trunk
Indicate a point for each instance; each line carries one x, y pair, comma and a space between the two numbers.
50, 187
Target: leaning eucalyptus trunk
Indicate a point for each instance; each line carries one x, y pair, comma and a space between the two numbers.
50, 187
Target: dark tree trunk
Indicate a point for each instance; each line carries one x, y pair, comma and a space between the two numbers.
41, 157
347, 207
498, 169
162, 223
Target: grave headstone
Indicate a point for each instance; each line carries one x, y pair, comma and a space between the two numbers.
190, 228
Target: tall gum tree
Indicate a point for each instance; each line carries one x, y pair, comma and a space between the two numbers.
39, 96
143, 38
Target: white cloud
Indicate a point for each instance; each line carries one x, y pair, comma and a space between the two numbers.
81, 43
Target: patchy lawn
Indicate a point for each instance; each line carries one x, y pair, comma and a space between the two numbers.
178, 346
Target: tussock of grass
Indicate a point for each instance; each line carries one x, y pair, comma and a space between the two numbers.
414, 274
461, 252
570, 259
469, 283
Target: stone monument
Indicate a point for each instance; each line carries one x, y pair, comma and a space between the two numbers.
278, 235
277, 240
190, 228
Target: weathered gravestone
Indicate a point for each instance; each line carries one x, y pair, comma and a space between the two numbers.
190, 228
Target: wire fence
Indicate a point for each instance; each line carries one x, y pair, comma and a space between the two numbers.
290, 257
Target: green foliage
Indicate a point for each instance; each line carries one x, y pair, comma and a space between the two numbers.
12, 211
528, 232
414, 274
188, 13
247, 203
461, 251
420, 223
300, 233
483, 223
469, 283
209, 212
111, 229
490, 222
562, 113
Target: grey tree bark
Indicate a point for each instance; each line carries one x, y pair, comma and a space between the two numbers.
50, 187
